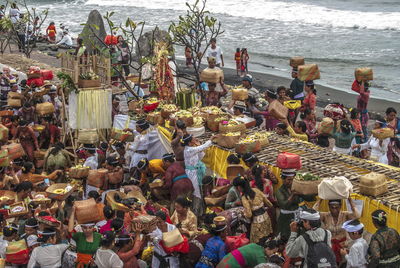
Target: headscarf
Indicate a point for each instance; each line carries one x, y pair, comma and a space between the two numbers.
309, 216
352, 228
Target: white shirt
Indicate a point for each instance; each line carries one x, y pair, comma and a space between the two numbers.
92, 162
106, 258
48, 256
156, 237
377, 151
358, 252
66, 40
215, 53
3, 246
14, 15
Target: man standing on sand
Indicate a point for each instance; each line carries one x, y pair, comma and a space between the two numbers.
215, 52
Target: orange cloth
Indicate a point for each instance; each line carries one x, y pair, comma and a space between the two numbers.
83, 259
237, 57
51, 31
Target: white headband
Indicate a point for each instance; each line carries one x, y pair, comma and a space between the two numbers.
304, 215
352, 228
46, 233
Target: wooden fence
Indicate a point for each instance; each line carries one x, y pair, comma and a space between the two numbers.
74, 66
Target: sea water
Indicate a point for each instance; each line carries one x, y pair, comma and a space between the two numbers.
338, 35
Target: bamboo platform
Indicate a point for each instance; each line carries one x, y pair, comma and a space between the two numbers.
325, 163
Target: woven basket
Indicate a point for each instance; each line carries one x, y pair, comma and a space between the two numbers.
59, 196
113, 204
88, 83
233, 171
96, 177
223, 128
45, 108
240, 94
14, 95
383, 133
296, 61
215, 201
212, 125
88, 136
78, 172
227, 141
19, 213
148, 222
15, 150
374, 190
87, 211
373, 184
15, 103
155, 118
305, 187
277, 110
187, 120
166, 114
8, 196
213, 75
251, 147
116, 177
364, 74
38, 199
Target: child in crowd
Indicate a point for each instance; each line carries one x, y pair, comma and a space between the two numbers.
188, 56
238, 58
356, 256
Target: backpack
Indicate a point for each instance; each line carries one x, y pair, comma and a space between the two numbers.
319, 254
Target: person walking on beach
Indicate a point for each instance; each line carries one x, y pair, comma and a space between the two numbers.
362, 102
244, 58
238, 60
215, 52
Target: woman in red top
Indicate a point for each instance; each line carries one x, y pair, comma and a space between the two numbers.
51, 32
238, 60
362, 88
311, 96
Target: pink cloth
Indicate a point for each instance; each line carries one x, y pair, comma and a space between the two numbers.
106, 227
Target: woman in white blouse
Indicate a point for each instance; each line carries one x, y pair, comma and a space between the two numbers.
379, 148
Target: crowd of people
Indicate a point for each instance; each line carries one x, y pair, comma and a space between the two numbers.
140, 221
271, 228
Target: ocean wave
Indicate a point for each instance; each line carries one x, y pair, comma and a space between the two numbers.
279, 11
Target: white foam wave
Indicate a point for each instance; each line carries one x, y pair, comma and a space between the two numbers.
276, 10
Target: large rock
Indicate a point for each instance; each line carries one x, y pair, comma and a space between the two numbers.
89, 37
149, 39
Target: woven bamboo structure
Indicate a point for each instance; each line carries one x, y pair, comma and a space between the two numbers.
325, 163
74, 66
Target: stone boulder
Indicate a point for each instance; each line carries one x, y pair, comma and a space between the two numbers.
149, 39
89, 37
